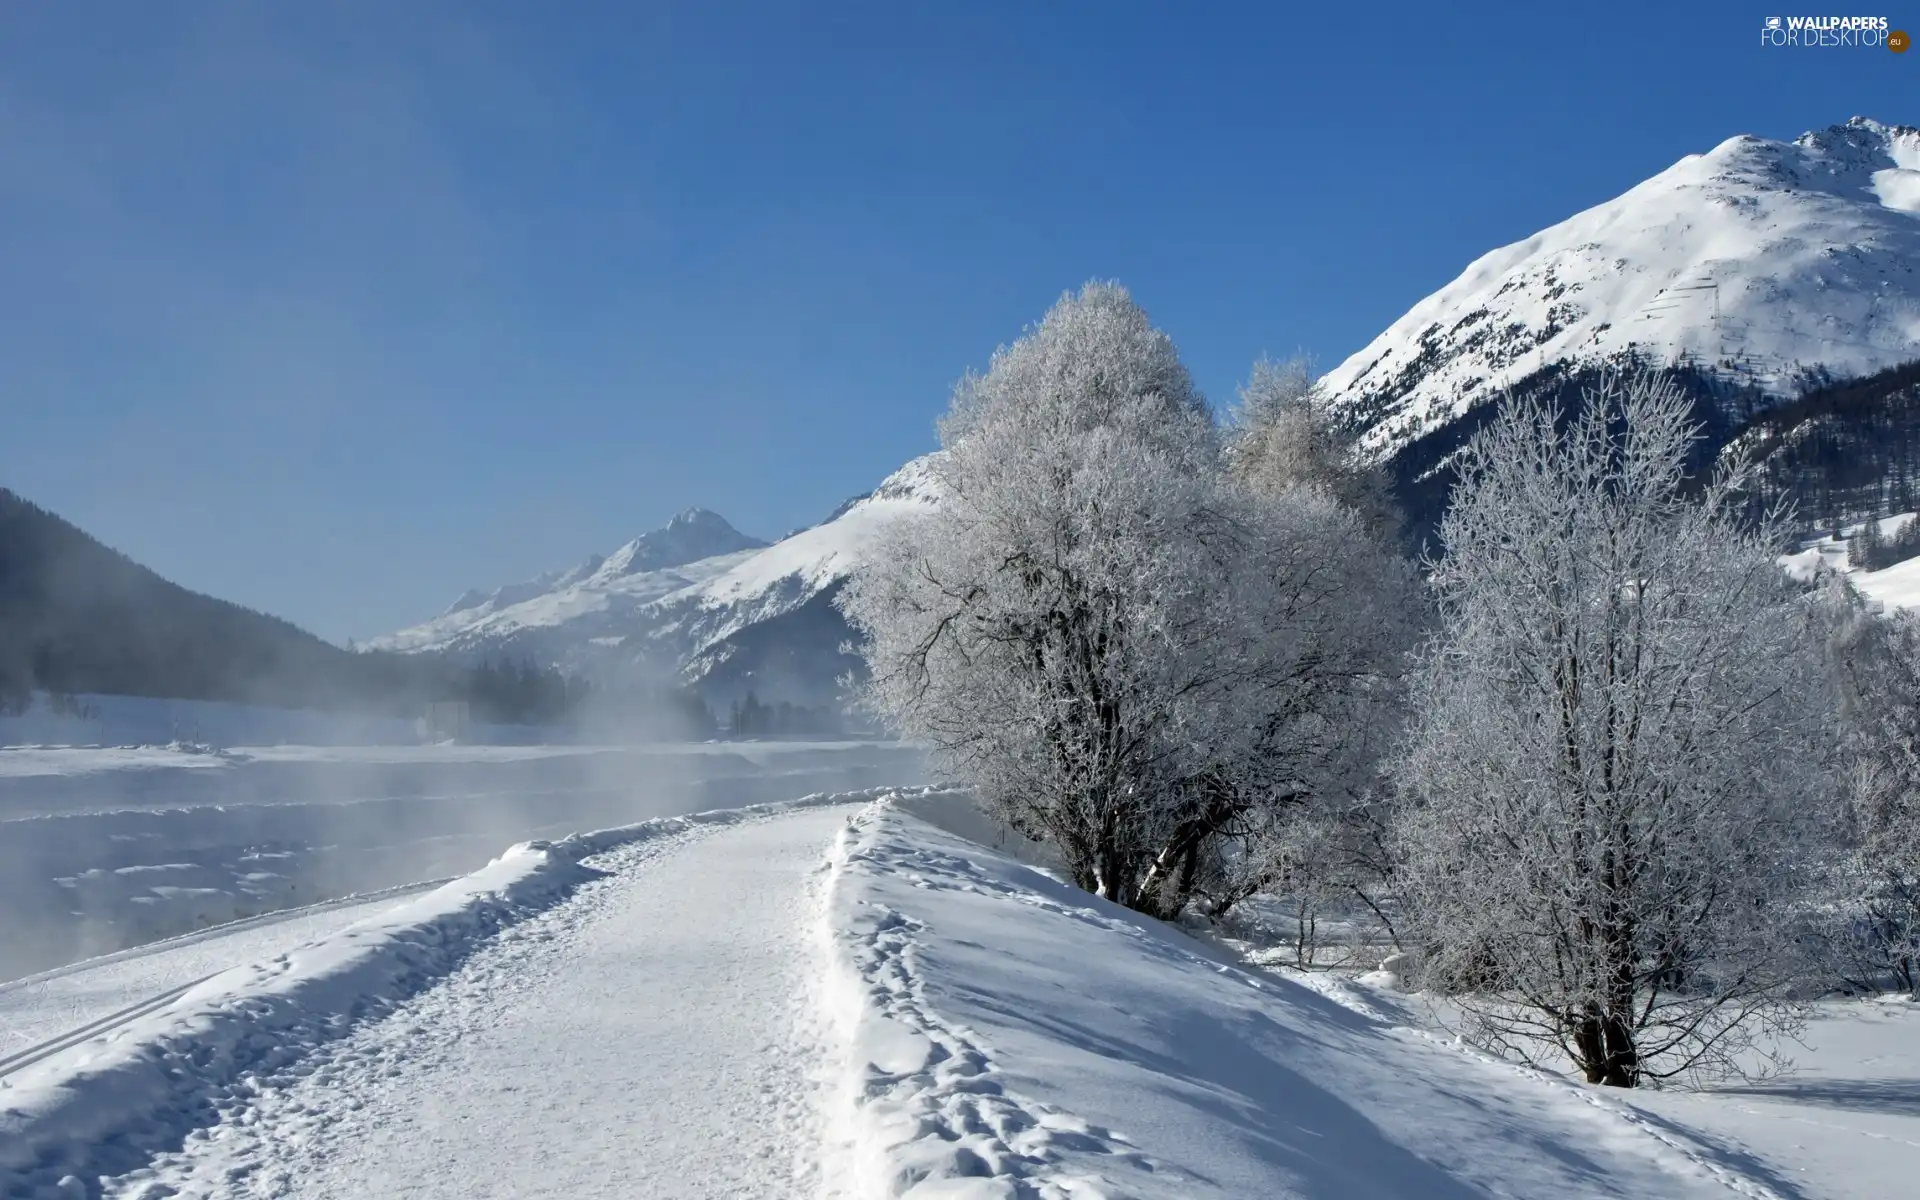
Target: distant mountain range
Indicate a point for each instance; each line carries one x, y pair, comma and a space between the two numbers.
1767, 277
696, 601
694, 535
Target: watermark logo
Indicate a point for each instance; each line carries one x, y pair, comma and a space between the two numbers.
1834, 32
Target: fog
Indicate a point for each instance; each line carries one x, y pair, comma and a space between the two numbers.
101, 849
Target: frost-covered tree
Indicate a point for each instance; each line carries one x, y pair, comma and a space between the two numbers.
1284, 442
1285, 434
1878, 662
1125, 652
1613, 799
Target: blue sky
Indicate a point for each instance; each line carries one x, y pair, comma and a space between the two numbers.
336, 310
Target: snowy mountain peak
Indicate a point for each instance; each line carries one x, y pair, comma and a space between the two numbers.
689, 537
697, 599
1861, 141
917, 481
688, 517
1758, 260
592, 563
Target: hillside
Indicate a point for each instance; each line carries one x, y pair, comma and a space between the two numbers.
76, 616
1774, 282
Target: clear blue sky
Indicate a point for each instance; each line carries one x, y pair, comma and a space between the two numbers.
336, 310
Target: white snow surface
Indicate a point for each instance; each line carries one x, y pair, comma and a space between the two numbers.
831, 551
1897, 586
1015, 1037
1845, 1125
1757, 257
668, 617
655, 1036
43, 1006
857, 995
23, 762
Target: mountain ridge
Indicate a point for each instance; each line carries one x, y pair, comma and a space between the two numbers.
1755, 273
1770, 265
725, 623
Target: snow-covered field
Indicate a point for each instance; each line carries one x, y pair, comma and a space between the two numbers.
852, 995
1020, 1030
1842, 1122
1897, 586
101, 849
1845, 1125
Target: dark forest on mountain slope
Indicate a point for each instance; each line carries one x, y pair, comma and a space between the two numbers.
79, 617
1838, 452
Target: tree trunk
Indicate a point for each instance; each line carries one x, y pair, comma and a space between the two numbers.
1589, 1043
1620, 1066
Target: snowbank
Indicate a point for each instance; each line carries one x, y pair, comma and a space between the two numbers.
102, 1106
1007, 1035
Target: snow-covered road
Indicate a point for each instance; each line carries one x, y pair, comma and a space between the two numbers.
628, 1042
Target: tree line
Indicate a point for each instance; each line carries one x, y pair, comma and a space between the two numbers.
1598, 766
523, 694
750, 717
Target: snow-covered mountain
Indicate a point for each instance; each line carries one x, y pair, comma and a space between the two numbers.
691, 536
1759, 261
697, 600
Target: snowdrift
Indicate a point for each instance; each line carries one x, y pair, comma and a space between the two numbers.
1009, 1035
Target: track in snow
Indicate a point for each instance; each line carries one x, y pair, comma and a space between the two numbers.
654, 1035
44, 1013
